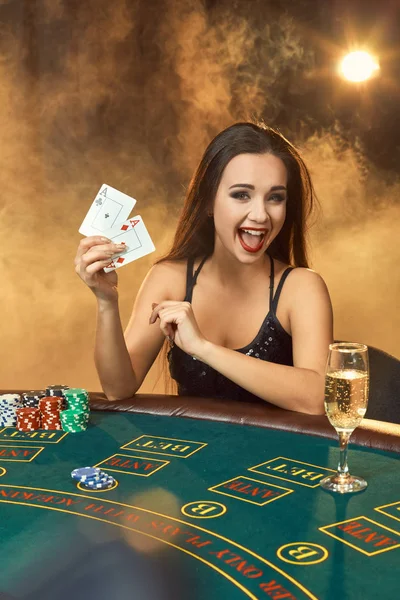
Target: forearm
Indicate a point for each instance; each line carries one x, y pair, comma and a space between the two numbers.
292, 388
111, 356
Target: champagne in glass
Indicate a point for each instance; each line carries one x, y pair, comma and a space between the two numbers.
346, 398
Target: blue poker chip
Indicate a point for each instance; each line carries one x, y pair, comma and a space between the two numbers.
102, 485
84, 472
101, 478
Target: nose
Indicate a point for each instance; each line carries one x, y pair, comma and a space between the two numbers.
258, 211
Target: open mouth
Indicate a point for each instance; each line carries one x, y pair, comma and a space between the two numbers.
252, 240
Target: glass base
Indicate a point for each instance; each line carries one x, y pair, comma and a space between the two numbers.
343, 484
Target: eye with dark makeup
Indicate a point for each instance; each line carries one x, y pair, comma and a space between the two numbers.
242, 195
277, 197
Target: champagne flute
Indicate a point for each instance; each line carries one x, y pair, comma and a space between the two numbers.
346, 399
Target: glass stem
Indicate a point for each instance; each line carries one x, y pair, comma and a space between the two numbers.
343, 469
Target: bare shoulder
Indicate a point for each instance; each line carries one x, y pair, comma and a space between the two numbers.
169, 277
303, 281
307, 294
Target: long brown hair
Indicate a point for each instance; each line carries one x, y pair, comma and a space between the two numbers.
194, 236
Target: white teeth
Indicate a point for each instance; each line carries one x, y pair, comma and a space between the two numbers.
251, 232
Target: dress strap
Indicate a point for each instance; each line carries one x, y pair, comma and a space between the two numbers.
274, 304
191, 278
271, 282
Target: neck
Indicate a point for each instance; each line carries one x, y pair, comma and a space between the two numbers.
230, 272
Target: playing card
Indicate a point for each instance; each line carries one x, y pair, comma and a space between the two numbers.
135, 235
109, 209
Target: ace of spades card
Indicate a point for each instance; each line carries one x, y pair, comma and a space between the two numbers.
108, 217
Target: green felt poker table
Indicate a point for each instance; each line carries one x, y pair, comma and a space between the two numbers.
212, 500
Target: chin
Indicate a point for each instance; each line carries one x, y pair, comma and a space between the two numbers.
249, 259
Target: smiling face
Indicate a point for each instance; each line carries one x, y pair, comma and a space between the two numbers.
250, 205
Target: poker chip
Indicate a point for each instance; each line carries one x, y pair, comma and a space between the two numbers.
51, 423
76, 392
28, 419
49, 404
108, 483
83, 473
31, 399
92, 478
77, 398
74, 421
76, 417
57, 407
50, 407
101, 478
9, 404
56, 390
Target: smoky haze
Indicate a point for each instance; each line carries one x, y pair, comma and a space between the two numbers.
130, 93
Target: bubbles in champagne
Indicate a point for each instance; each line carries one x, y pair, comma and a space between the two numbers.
346, 398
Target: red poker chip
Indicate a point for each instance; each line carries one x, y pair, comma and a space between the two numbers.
27, 428
28, 413
28, 416
51, 400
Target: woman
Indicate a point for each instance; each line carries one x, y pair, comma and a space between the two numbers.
242, 226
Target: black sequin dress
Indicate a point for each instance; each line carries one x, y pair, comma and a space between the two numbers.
272, 343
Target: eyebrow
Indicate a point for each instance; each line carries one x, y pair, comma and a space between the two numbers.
251, 187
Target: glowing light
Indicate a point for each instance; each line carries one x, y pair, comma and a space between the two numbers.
358, 66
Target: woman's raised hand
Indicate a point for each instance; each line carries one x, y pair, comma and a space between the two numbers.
178, 323
94, 253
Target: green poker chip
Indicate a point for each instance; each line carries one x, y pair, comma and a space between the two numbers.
74, 421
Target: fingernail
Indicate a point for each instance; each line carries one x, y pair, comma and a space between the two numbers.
122, 246
104, 239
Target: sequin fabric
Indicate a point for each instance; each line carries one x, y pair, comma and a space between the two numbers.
272, 343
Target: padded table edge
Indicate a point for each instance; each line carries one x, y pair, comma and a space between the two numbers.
371, 434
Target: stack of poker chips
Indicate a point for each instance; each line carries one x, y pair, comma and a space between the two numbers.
28, 419
76, 417
9, 404
93, 478
56, 390
31, 399
50, 407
